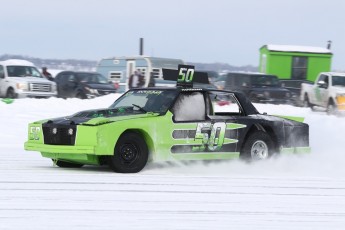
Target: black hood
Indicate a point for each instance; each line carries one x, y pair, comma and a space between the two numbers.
100, 86
86, 115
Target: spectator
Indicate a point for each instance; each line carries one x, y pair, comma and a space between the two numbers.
46, 74
141, 82
136, 80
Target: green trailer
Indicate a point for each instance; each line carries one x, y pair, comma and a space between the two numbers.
294, 62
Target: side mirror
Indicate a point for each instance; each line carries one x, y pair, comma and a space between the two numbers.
2, 75
322, 84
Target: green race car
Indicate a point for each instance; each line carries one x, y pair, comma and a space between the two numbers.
166, 124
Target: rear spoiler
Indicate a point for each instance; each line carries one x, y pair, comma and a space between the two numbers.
199, 76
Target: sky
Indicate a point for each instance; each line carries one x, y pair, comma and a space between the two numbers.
283, 193
225, 31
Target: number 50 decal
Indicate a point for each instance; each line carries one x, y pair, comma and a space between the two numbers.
185, 74
212, 135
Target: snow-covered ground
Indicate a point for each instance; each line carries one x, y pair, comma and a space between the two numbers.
288, 192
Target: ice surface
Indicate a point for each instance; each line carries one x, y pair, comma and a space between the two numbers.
288, 192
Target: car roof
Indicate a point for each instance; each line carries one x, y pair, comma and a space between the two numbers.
71, 71
243, 100
249, 74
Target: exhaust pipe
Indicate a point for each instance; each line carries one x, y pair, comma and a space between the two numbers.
141, 46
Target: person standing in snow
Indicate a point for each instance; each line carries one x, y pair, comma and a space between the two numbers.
46, 74
134, 80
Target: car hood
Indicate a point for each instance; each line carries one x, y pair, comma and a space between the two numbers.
31, 80
98, 117
100, 86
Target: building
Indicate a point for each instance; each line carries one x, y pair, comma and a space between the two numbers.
295, 62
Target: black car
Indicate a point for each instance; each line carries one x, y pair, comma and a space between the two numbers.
260, 88
83, 85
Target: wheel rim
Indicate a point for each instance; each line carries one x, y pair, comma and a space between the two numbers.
259, 150
129, 153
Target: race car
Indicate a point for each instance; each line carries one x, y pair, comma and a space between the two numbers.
167, 124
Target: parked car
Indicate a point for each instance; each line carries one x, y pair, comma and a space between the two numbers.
83, 85
167, 124
328, 91
295, 87
260, 88
20, 78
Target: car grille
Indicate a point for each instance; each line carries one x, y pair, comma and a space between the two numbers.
59, 135
38, 87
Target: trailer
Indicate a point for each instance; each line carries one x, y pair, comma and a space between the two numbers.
119, 69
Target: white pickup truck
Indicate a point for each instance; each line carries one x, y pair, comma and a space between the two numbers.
20, 78
328, 92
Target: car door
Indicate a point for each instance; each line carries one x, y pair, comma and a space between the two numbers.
320, 90
198, 132
67, 84
225, 112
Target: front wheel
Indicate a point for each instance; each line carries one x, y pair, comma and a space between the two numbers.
130, 154
10, 93
81, 95
258, 146
306, 103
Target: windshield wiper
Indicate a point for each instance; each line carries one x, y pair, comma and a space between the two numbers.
140, 108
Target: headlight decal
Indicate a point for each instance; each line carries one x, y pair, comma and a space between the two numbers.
34, 133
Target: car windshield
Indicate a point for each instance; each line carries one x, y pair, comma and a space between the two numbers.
338, 80
146, 100
92, 78
265, 80
23, 71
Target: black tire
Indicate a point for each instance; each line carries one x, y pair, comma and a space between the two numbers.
306, 102
130, 154
65, 164
331, 108
80, 95
10, 93
258, 146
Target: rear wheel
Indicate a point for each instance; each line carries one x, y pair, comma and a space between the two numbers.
65, 164
258, 146
130, 154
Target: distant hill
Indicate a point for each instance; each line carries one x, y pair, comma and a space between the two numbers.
88, 65
62, 64
223, 67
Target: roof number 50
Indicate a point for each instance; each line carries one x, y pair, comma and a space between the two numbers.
185, 75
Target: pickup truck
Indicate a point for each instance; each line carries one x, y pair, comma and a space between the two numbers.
258, 87
328, 91
20, 78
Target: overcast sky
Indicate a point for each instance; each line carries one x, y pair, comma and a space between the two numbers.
227, 31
